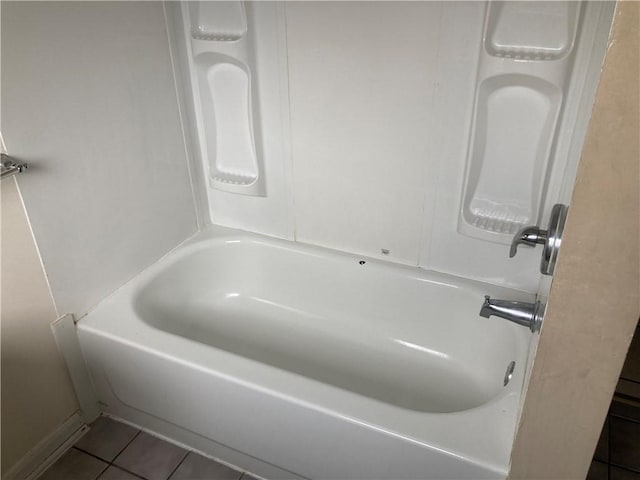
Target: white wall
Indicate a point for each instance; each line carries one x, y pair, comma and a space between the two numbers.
88, 99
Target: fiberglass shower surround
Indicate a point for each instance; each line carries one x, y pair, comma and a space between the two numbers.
523, 74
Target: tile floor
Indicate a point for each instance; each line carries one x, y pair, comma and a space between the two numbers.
617, 456
111, 450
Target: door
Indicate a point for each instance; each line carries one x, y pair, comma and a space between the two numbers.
594, 304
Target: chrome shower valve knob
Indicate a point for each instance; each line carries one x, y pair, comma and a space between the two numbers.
550, 238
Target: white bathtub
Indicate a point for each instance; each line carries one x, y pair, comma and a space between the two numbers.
297, 361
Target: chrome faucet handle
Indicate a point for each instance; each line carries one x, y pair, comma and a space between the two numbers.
530, 236
550, 238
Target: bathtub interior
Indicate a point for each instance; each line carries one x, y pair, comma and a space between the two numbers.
362, 326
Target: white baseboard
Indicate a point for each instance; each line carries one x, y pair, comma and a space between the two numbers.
45, 453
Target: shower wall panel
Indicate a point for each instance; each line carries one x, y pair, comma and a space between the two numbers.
89, 101
423, 133
232, 61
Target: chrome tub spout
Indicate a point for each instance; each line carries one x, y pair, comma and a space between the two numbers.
522, 313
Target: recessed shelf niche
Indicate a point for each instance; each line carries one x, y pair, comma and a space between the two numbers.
521, 84
225, 77
515, 119
218, 21
531, 30
229, 137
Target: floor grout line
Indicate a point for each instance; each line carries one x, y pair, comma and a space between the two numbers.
91, 455
627, 379
624, 418
125, 470
110, 463
179, 463
125, 447
610, 463
103, 470
622, 467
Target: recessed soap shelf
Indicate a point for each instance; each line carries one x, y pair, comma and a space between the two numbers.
217, 37
524, 55
522, 76
218, 21
225, 81
533, 31
234, 179
496, 225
